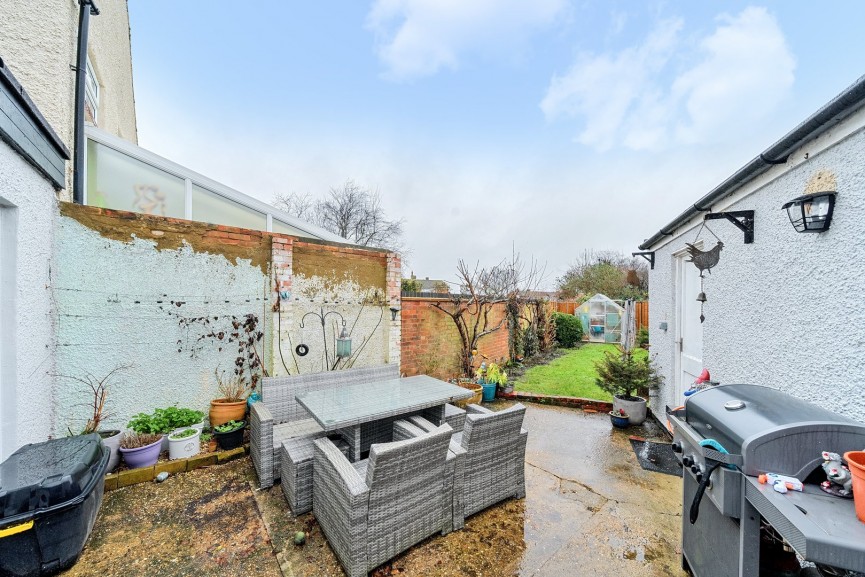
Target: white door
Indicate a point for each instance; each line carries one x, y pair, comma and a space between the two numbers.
689, 327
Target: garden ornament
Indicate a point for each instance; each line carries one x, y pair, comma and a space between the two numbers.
838, 479
704, 261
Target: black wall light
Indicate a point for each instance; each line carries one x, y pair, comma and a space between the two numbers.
811, 212
393, 312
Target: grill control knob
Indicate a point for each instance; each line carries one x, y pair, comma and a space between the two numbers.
677, 447
695, 468
687, 460
699, 478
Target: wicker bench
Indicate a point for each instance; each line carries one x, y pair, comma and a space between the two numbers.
278, 417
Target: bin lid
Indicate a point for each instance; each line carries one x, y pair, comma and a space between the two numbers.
45, 474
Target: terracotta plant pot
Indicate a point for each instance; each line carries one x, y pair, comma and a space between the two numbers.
856, 463
221, 411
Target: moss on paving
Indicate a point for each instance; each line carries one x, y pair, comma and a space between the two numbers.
572, 374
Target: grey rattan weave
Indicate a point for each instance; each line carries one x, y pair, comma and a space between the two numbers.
400, 501
296, 463
494, 468
495, 445
278, 417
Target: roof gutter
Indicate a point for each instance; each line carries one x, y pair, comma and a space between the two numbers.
831, 114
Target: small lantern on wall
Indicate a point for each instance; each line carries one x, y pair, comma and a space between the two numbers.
343, 343
811, 212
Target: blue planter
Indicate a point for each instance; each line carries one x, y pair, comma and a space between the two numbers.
489, 391
619, 421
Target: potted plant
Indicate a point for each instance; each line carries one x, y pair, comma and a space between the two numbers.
98, 391
140, 449
622, 374
184, 443
619, 418
155, 423
208, 441
496, 374
231, 404
229, 435
181, 418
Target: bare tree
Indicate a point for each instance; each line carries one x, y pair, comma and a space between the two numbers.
607, 272
350, 211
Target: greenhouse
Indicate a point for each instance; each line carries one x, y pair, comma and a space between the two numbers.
601, 318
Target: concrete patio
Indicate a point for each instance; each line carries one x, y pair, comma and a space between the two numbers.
590, 510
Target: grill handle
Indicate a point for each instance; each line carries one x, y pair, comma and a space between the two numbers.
701, 489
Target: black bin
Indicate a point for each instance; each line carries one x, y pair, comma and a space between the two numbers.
50, 494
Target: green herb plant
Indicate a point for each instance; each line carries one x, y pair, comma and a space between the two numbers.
185, 434
228, 427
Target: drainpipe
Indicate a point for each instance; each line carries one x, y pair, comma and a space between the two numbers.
86, 8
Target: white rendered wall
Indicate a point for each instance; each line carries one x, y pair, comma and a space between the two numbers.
785, 311
27, 339
108, 297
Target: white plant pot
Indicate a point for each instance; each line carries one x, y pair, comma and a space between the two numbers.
185, 447
198, 426
636, 409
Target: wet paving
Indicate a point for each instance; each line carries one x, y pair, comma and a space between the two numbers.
590, 510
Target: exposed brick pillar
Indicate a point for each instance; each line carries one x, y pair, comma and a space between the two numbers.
394, 297
283, 314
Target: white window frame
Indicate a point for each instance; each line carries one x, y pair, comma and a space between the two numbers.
91, 90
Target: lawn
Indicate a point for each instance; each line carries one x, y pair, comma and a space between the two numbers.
573, 374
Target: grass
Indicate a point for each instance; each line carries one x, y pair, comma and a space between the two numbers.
572, 374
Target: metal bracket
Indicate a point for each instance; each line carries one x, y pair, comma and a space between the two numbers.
648, 255
746, 224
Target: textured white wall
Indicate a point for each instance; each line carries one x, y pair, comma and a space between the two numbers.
38, 42
785, 311
27, 335
108, 297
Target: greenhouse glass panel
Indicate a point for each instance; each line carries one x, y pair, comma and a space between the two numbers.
116, 180
210, 207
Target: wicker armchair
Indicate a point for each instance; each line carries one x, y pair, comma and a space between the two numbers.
495, 465
493, 469
372, 510
278, 416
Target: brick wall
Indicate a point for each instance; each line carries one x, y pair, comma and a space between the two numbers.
431, 342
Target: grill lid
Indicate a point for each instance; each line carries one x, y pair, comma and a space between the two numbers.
773, 431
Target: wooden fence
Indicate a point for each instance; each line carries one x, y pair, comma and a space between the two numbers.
641, 311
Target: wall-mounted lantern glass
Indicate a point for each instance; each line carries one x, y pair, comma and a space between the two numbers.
343, 343
811, 212
393, 312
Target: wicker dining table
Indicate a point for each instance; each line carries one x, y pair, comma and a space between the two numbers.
364, 414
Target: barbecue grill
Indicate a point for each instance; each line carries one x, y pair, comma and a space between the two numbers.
728, 435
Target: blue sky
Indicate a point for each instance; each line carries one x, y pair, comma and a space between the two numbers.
554, 125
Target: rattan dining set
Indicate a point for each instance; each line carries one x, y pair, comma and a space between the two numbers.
383, 462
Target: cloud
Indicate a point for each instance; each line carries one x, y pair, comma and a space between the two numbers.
416, 38
669, 90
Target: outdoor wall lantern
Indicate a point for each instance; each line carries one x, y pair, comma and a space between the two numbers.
393, 311
811, 212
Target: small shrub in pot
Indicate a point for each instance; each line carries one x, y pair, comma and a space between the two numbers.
622, 374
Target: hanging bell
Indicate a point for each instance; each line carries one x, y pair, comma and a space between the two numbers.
701, 297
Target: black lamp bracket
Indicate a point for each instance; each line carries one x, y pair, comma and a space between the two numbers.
648, 255
743, 219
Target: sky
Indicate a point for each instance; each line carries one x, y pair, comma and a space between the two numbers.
546, 126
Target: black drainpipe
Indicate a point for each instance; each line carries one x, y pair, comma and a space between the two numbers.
86, 8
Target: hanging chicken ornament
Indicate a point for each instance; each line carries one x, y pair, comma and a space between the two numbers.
704, 261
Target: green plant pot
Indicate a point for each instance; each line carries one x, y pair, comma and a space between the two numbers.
489, 392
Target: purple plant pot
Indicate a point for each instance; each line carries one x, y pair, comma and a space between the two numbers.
142, 456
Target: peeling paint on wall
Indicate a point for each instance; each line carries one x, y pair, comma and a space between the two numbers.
172, 234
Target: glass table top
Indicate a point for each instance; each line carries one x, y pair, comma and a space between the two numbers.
356, 404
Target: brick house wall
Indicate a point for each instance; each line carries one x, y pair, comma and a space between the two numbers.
431, 342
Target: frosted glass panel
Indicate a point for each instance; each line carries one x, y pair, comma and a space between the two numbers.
215, 209
115, 180
281, 227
